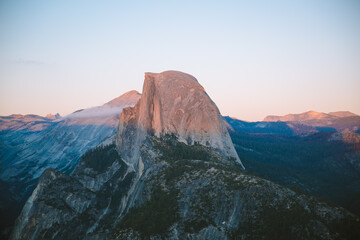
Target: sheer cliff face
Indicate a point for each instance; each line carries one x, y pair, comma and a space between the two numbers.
175, 103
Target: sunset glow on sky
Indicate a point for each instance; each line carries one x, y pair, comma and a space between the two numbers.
254, 58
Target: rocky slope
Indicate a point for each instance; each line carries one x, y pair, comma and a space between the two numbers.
165, 178
29, 144
314, 164
348, 137
176, 198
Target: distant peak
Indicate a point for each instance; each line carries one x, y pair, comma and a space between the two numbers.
131, 93
129, 98
52, 116
312, 112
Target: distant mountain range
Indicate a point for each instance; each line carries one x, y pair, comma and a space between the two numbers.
301, 124
310, 116
334, 120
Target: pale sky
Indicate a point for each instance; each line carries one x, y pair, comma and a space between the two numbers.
254, 58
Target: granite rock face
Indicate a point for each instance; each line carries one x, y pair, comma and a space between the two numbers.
173, 102
72, 207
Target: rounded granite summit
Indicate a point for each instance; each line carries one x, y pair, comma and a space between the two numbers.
171, 76
174, 102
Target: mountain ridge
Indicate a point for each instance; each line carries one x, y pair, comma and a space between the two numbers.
309, 115
302, 124
340, 121
151, 184
30, 144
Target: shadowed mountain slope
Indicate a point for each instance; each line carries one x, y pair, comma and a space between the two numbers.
29, 144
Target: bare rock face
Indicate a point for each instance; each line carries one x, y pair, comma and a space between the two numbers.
173, 102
